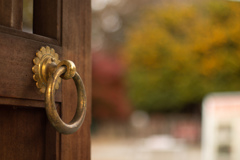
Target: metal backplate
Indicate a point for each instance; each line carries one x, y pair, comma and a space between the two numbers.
45, 59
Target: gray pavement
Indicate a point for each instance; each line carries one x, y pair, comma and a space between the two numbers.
151, 148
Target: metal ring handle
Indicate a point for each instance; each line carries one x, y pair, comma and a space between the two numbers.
51, 110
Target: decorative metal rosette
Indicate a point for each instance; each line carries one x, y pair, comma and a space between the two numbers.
44, 56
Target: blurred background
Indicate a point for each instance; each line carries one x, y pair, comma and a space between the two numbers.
155, 67
154, 62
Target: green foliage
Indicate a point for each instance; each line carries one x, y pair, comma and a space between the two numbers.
178, 54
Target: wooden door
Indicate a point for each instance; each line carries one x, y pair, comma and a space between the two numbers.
25, 132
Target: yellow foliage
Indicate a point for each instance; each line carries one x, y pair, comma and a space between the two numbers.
183, 52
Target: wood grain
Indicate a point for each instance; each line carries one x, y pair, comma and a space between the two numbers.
22, 133
52, 145
36, 138
16, 55
47, 18
22, 102
35, 37
11, 13
76, 47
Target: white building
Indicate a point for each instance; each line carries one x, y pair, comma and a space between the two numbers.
221, 126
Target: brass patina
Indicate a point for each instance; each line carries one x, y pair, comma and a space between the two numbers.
45, 59
47, 72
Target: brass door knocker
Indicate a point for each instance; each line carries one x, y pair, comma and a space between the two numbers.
48, 71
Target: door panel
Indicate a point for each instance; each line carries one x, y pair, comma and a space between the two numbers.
47, 18
76, 21
11, 13
16, 61
25, 132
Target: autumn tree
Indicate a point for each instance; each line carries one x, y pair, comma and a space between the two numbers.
179, 53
